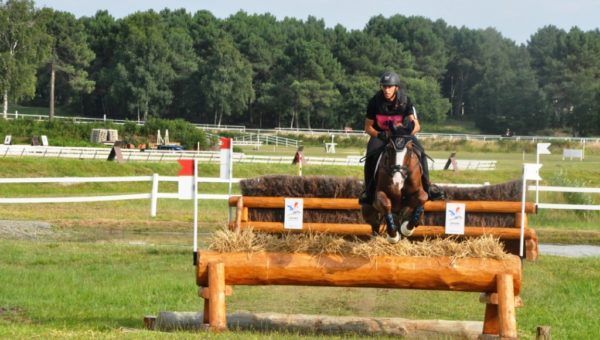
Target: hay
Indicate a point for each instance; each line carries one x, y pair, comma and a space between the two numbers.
246, 240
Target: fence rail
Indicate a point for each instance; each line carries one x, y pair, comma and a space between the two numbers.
336, 132
566, 189
206, 156
153, 195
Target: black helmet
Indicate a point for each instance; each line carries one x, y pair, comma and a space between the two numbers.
389, 78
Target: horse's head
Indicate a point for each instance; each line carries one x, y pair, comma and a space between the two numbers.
399, 158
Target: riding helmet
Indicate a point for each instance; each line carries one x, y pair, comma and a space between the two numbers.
390, 78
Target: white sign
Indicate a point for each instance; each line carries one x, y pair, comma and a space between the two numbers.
44, 140
531, 172
294, 211
455, 218
542, 148
573, 153
7, 139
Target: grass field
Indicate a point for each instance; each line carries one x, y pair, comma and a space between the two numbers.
103, 266
73, 286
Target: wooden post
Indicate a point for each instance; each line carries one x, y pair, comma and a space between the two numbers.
205, 319
217, 314
543, 333
518, 220
238, 213
490, 321
506, 307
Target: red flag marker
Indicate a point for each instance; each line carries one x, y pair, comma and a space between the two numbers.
187, 167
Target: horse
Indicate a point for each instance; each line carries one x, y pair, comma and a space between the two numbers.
399, 196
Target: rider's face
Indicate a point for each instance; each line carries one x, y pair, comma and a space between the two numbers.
389, 92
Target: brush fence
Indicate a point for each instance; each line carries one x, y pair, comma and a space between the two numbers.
498, 281
248, 207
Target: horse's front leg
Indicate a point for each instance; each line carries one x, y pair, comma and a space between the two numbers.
384, 205
415, 214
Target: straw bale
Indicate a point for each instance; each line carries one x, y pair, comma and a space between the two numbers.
246, 240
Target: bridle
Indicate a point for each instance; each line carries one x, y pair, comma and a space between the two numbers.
399, 144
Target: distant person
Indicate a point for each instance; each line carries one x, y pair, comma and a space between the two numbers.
507, 133
391, 106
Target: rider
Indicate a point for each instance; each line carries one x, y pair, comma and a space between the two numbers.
391, 105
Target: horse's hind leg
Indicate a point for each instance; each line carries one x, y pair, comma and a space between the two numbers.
384, 205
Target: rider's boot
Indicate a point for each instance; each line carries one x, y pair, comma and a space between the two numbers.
366, 197
433, 191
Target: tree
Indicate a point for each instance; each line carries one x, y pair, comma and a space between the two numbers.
70, 56
101, 32
425, 94
304, 64
23, 46
148, 59
259, 40
508, 95
548, 50
355, 93
418, 35
226, 80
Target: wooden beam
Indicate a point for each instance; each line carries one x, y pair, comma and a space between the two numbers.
492, 298
365, 229
432, 273
352, 204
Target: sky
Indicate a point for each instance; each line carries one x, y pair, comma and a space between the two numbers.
515, 19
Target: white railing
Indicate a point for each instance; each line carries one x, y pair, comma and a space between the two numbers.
336, 132
206, 156
566, 189
260, 139
153, 195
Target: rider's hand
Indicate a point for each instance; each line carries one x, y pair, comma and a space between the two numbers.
381, 135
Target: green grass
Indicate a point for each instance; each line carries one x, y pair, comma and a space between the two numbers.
554, 225
83, 288
110, 263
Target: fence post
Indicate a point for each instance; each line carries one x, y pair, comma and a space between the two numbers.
154, 195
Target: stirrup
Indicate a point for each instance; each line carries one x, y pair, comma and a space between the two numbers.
364, 198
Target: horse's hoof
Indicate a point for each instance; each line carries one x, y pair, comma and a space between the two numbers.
404, 229
393, 239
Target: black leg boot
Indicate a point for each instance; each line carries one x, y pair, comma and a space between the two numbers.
367, 195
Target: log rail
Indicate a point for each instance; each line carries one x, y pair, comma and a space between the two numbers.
498, 281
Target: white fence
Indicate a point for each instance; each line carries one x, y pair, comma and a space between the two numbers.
207, 156
153, 195
566, 189
337, 132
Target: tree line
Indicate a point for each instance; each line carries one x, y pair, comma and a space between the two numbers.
262, 72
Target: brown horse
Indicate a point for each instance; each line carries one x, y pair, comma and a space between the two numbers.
399, 195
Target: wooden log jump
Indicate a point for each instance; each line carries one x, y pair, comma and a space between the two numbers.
499, 281
244, 203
